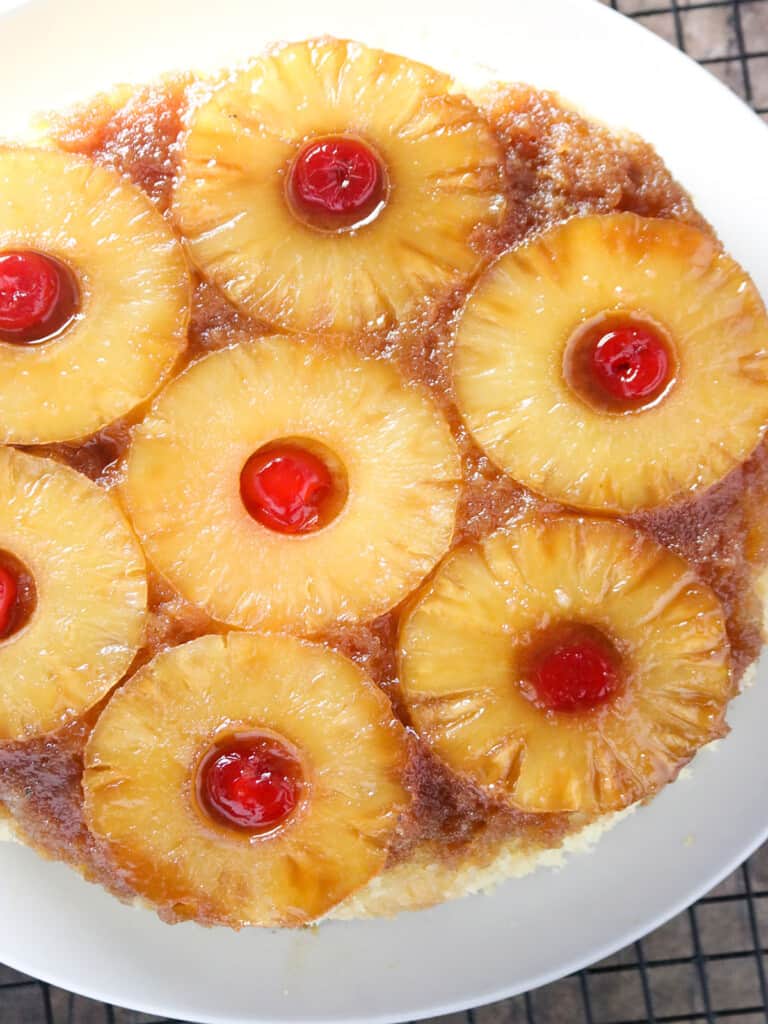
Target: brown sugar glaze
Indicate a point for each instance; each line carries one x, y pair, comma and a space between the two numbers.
558, 165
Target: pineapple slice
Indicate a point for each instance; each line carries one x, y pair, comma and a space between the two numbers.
275, 848
328, 186
79, 594
353, 512
566, 664
615, 363
79, 231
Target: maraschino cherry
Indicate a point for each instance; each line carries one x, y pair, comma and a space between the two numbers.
576, 675
631, 362
336, 182
287, 488
9, 591
250, 782
38, 296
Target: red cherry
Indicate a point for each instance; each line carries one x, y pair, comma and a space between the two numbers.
29, 289
338, 179
250, 782
576, 676
38, 296
286, 488
631, 362
9, 589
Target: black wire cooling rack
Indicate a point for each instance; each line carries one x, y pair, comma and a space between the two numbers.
710, 964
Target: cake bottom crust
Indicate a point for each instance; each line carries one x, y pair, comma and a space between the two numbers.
425, 880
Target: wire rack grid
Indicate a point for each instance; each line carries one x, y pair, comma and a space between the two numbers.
709, 965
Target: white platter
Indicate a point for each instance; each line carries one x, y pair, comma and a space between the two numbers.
55, 926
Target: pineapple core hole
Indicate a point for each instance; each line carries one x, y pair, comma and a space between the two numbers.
39, 297
294, 485
18, 596
336, 183
252, 782
570, 667
620, 362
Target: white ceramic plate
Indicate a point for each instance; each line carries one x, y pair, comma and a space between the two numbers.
55, 926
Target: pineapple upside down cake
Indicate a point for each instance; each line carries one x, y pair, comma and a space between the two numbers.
383, 478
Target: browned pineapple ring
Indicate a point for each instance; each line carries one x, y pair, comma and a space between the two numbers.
125, 320
78, 594
331, 186
566, 665
615, 363
148, 780
281, 484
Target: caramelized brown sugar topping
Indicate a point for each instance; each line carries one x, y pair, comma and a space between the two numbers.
557, 165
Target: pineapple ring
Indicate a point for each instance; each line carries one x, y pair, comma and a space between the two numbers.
134, 290
511, 344
91, 590
464, 644
442, 161
182, 488
142, 755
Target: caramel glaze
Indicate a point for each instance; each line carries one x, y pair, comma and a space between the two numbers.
558, 165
